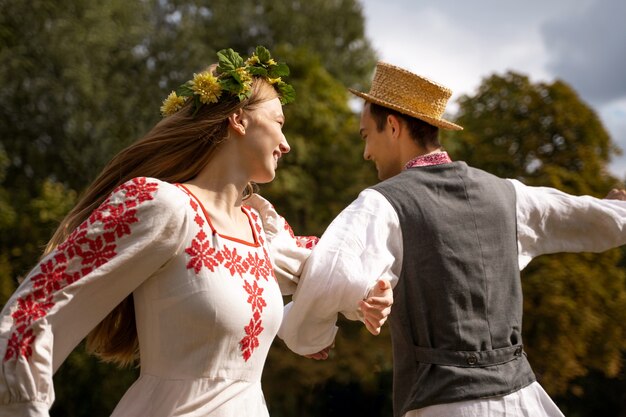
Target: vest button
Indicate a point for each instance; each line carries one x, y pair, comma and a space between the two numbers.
518, 351
472, 359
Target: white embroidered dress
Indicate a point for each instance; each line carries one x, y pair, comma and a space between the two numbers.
207, 307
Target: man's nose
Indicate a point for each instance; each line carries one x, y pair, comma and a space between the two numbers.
366, 154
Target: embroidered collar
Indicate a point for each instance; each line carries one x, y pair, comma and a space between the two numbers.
436, 158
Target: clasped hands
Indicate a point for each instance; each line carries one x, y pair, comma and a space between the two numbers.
375, 308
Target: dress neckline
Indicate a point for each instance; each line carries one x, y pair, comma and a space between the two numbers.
215, 232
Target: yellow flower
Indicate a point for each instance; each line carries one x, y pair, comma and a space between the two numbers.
172, 104
207, 87
246, 88
252, 60
244, 75
274, 80
271, 62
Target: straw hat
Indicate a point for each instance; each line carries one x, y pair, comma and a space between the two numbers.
410, 94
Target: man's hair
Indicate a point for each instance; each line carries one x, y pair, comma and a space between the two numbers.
422, 133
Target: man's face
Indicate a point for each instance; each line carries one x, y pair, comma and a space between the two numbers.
380, 147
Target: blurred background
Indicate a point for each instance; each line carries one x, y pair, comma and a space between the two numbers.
540, 88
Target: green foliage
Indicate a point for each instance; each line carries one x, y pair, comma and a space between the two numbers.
38, 219
595, 395
7, 212
61, 63
543, 134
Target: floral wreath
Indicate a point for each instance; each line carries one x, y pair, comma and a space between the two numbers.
233, 78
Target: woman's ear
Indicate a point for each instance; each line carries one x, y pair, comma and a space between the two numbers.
237, 122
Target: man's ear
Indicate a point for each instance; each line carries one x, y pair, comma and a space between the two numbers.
393, 123
237, 122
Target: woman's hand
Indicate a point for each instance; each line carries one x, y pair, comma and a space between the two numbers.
377, 306
321, 355
616, 194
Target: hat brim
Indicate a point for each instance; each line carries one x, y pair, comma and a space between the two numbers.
442, 123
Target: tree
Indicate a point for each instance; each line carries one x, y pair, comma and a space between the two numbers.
543, 134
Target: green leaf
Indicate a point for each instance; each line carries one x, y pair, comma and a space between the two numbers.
231, 85
279, 70
228, 60
287, 92
259, 71
244, 95
184, 90
263, 54
235, 75
196, 105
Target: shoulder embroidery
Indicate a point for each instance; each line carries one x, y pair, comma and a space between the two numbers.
307, 242
84, 254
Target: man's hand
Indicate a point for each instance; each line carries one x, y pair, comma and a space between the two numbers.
377, 306
616, 194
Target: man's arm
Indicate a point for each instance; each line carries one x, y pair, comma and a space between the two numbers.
362, 245
551, 221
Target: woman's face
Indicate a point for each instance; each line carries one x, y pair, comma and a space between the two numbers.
264, 143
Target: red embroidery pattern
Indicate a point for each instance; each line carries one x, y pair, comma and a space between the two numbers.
201, 254
436, 158
54, 273
251, 340
257, 226
307, 242
256, 296
233, 262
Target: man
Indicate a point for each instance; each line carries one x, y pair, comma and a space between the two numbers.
451, 239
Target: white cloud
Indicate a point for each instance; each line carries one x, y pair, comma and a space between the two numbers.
442, 47
589, 50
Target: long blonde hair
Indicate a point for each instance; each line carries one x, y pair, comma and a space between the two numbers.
174, 150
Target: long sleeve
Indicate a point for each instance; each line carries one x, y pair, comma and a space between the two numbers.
123, 242
362, 244
550, 221
287, 251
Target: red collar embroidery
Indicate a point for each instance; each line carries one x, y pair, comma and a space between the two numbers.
437, 158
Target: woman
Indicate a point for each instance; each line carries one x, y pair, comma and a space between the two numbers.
165, 262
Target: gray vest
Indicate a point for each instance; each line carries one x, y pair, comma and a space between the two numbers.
456, 321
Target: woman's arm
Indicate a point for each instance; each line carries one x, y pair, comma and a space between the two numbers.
123, 242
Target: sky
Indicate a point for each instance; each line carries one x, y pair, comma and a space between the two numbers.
459, 43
